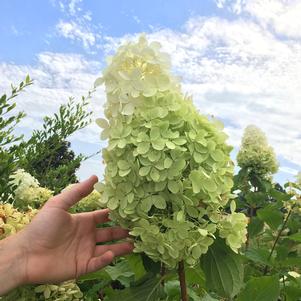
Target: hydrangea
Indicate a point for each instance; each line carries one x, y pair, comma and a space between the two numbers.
28, 191
255, 154
12, 220
232, 228
168, 171
88, 203
66, 291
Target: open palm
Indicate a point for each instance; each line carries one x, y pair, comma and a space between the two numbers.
61, 246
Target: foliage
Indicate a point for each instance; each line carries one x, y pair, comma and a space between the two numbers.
8, 122
168, 171
47, 154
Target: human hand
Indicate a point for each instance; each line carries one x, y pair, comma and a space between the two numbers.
58, 245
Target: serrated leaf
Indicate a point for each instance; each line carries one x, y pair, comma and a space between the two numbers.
223, 270
148, 291
265, 288
295, 237
271, 215
258, 255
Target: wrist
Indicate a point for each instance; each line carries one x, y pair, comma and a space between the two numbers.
13, 258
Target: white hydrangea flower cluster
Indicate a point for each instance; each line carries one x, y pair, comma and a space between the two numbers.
168, 170
233, 229
255, 154
28, 191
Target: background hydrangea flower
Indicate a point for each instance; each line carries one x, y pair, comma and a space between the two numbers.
255, 154
28, 191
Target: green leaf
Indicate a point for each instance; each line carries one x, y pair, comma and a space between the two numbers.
208, 298
136, 265
295, 237
150, 265
265, 288
223, 270
99, 275
255, 226
258, 255
292, 293
271, 215
148, 291
121, 272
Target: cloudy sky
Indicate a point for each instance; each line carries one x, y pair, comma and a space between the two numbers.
240, 59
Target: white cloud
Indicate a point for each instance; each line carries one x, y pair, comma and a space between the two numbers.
76, 32
56, 77
289, 170
74, 7
281, 16
76, 24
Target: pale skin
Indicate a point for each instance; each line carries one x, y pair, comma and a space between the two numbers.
57, 245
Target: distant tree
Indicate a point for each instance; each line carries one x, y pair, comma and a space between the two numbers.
8, 122
47, 155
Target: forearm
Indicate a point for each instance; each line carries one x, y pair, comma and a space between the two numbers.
12, 264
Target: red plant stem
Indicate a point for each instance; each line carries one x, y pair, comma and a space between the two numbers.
181, 272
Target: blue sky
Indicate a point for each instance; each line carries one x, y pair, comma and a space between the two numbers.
240, 59
36, 20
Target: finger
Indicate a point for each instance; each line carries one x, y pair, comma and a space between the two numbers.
109, 234
117, 249
99, 262
69, 197
101, 216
